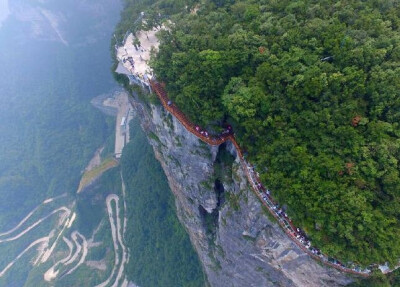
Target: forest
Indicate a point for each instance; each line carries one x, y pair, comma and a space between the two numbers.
161, 252
49, 130
312, 91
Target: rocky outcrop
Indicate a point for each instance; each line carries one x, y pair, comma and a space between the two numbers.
238, 242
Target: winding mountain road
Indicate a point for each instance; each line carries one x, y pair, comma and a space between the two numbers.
84, 250
63, 209
121, 238
52, 273
78, 249
49, 251
43, 240
116, 232
30, 214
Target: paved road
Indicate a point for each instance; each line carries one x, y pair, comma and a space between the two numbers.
75, 234
52, 272
30, 214
116, 232
63, 209
43, 240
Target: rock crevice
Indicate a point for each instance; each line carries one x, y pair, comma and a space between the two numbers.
238, 242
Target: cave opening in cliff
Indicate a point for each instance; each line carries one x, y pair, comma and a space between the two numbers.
223, 163
210, 221
220, 193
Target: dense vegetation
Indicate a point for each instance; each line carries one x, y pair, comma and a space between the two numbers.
48, 128
160, 250
312, 88
379, 280
92, 222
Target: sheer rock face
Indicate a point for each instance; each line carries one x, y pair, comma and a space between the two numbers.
236, 240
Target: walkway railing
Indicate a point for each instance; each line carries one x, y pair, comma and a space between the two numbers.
297, 235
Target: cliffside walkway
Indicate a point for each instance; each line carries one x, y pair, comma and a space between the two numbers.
297, 235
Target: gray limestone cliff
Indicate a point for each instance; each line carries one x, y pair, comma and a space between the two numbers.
238, 242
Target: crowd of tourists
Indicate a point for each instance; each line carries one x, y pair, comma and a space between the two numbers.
297, 234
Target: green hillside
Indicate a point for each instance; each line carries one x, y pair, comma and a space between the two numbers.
312, 90
161, 252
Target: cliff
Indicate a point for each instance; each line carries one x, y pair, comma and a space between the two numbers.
238, 242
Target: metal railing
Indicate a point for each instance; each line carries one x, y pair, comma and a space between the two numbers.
297, 236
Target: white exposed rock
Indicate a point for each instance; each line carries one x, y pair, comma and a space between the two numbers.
50, 274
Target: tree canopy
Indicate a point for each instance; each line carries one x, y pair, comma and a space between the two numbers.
312, 90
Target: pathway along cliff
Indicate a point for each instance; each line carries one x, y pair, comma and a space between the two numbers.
297, 235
